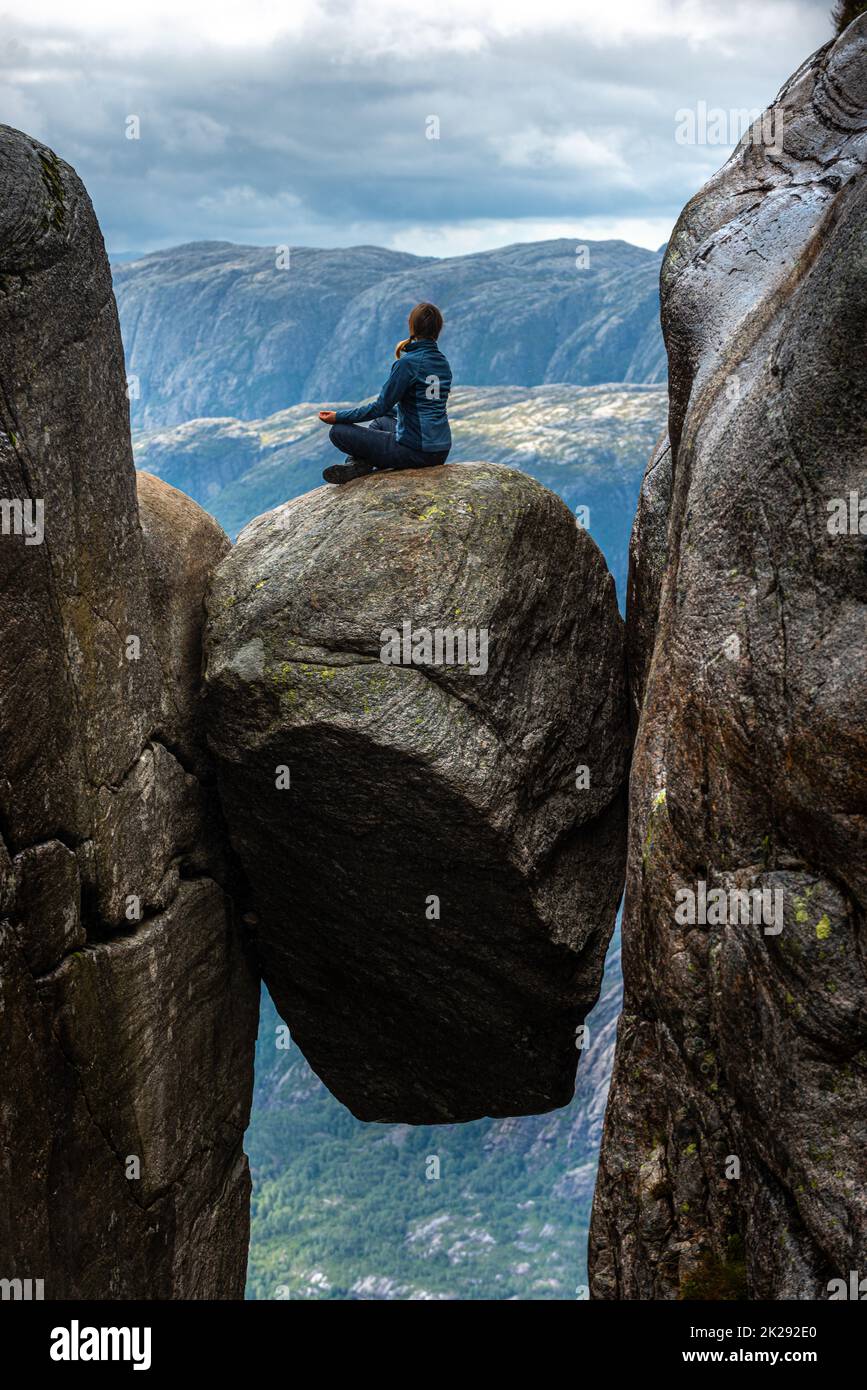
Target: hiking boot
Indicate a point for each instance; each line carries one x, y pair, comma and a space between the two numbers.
345, 472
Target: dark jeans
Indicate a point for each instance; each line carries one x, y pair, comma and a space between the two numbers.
376, 444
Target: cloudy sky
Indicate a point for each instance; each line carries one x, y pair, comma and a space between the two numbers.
307, 122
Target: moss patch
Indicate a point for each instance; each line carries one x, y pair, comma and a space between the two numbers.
718, 1280
53, 181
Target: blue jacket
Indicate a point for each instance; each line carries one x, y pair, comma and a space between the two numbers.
418, 389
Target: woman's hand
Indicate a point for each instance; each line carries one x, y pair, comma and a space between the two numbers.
328, 417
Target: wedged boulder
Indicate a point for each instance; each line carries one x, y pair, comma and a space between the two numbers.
435, 846
734, 1159
128, 1006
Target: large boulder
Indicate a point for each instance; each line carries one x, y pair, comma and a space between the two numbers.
129, 1009
734, 1160
435, 849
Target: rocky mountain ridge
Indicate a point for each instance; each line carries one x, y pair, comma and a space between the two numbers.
212, 329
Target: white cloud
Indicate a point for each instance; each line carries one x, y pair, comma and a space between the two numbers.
464, 238
568, 149
381, 25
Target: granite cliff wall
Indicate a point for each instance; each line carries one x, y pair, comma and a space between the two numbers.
128, 1008
735, 1143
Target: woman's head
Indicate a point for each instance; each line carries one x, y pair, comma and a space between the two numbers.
425, 321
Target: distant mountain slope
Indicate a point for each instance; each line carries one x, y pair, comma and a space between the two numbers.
588, 444
345, 1210
213, 329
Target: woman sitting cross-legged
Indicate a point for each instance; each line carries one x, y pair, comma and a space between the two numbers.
408, 427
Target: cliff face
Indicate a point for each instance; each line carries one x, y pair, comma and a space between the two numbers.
435, 876
213, 329
733, 1159
128, 1009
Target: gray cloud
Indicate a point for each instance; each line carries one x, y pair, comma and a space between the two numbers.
318, 137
